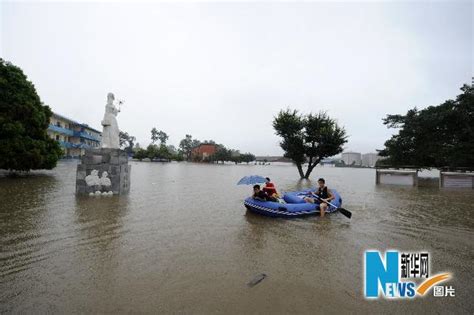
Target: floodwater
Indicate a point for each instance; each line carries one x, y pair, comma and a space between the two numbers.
182, 242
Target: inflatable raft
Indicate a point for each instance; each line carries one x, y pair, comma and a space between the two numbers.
294, 205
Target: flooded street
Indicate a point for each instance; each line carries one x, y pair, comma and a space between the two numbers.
182, 242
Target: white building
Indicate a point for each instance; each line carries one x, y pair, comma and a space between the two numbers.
369, 159
351, 158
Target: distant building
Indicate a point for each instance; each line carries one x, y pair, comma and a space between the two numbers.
74, 137
351, 158
369, 159
328, 163
203, 151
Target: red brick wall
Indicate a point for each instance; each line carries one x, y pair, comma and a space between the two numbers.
204, 150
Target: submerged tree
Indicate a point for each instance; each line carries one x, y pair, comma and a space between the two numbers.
24, 120
140, 154
247, 157
308, 138
222, 154
436, 136
186, 146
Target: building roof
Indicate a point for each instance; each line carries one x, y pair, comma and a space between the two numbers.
90, 128
75, 122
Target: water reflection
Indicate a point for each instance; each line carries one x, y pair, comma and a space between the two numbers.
22, 214
100, 220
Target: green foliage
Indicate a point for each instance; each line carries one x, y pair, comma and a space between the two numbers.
247, 157
155, 152
24, 120
222, 154
152, 151
243, 158
154, 135
311, 138
186, 145
163, 137
158, 135
178, 157
436, 136
195, 143
127, 142
140, 154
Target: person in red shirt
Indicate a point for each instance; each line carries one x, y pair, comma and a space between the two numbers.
262, 195
270, 188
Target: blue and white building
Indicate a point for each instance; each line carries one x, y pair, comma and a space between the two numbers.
74, 137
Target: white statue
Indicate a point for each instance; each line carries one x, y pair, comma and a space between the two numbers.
104, 180
93, 179
110, 132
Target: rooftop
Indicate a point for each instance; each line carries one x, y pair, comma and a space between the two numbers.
75, 122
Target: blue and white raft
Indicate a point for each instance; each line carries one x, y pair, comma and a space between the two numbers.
293, 207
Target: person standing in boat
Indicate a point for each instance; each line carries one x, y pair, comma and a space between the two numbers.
325, 195
270, 188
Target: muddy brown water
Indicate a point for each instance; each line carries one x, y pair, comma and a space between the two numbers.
182, 242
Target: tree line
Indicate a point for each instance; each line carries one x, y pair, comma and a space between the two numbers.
434, 137
159, 150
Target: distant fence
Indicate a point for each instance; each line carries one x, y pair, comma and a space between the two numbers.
396, 177
456, 179
450, 177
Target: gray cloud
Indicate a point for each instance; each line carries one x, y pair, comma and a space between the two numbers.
222, 71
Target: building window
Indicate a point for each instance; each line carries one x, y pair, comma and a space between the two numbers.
57, 137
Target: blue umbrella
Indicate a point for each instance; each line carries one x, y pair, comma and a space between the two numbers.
251, 180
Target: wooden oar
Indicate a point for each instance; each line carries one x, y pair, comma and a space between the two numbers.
345, 212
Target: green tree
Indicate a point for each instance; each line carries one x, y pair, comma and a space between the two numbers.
308, 138
247, 157
140, 154
164, 153
222, 154
186, 146
127, 142
152, 151
24, 120
235, 156
195, 143
154, 135
162, 136
436, 136
172, 149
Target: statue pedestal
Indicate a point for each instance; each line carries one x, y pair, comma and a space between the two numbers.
112, 161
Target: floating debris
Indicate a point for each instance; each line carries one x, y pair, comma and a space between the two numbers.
257, 280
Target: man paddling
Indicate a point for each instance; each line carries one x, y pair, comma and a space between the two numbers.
325, 195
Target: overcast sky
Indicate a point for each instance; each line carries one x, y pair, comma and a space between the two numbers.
221, 71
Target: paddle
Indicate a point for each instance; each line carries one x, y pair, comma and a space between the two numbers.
345, 212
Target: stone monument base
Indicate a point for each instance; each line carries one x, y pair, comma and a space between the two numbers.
103, 171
